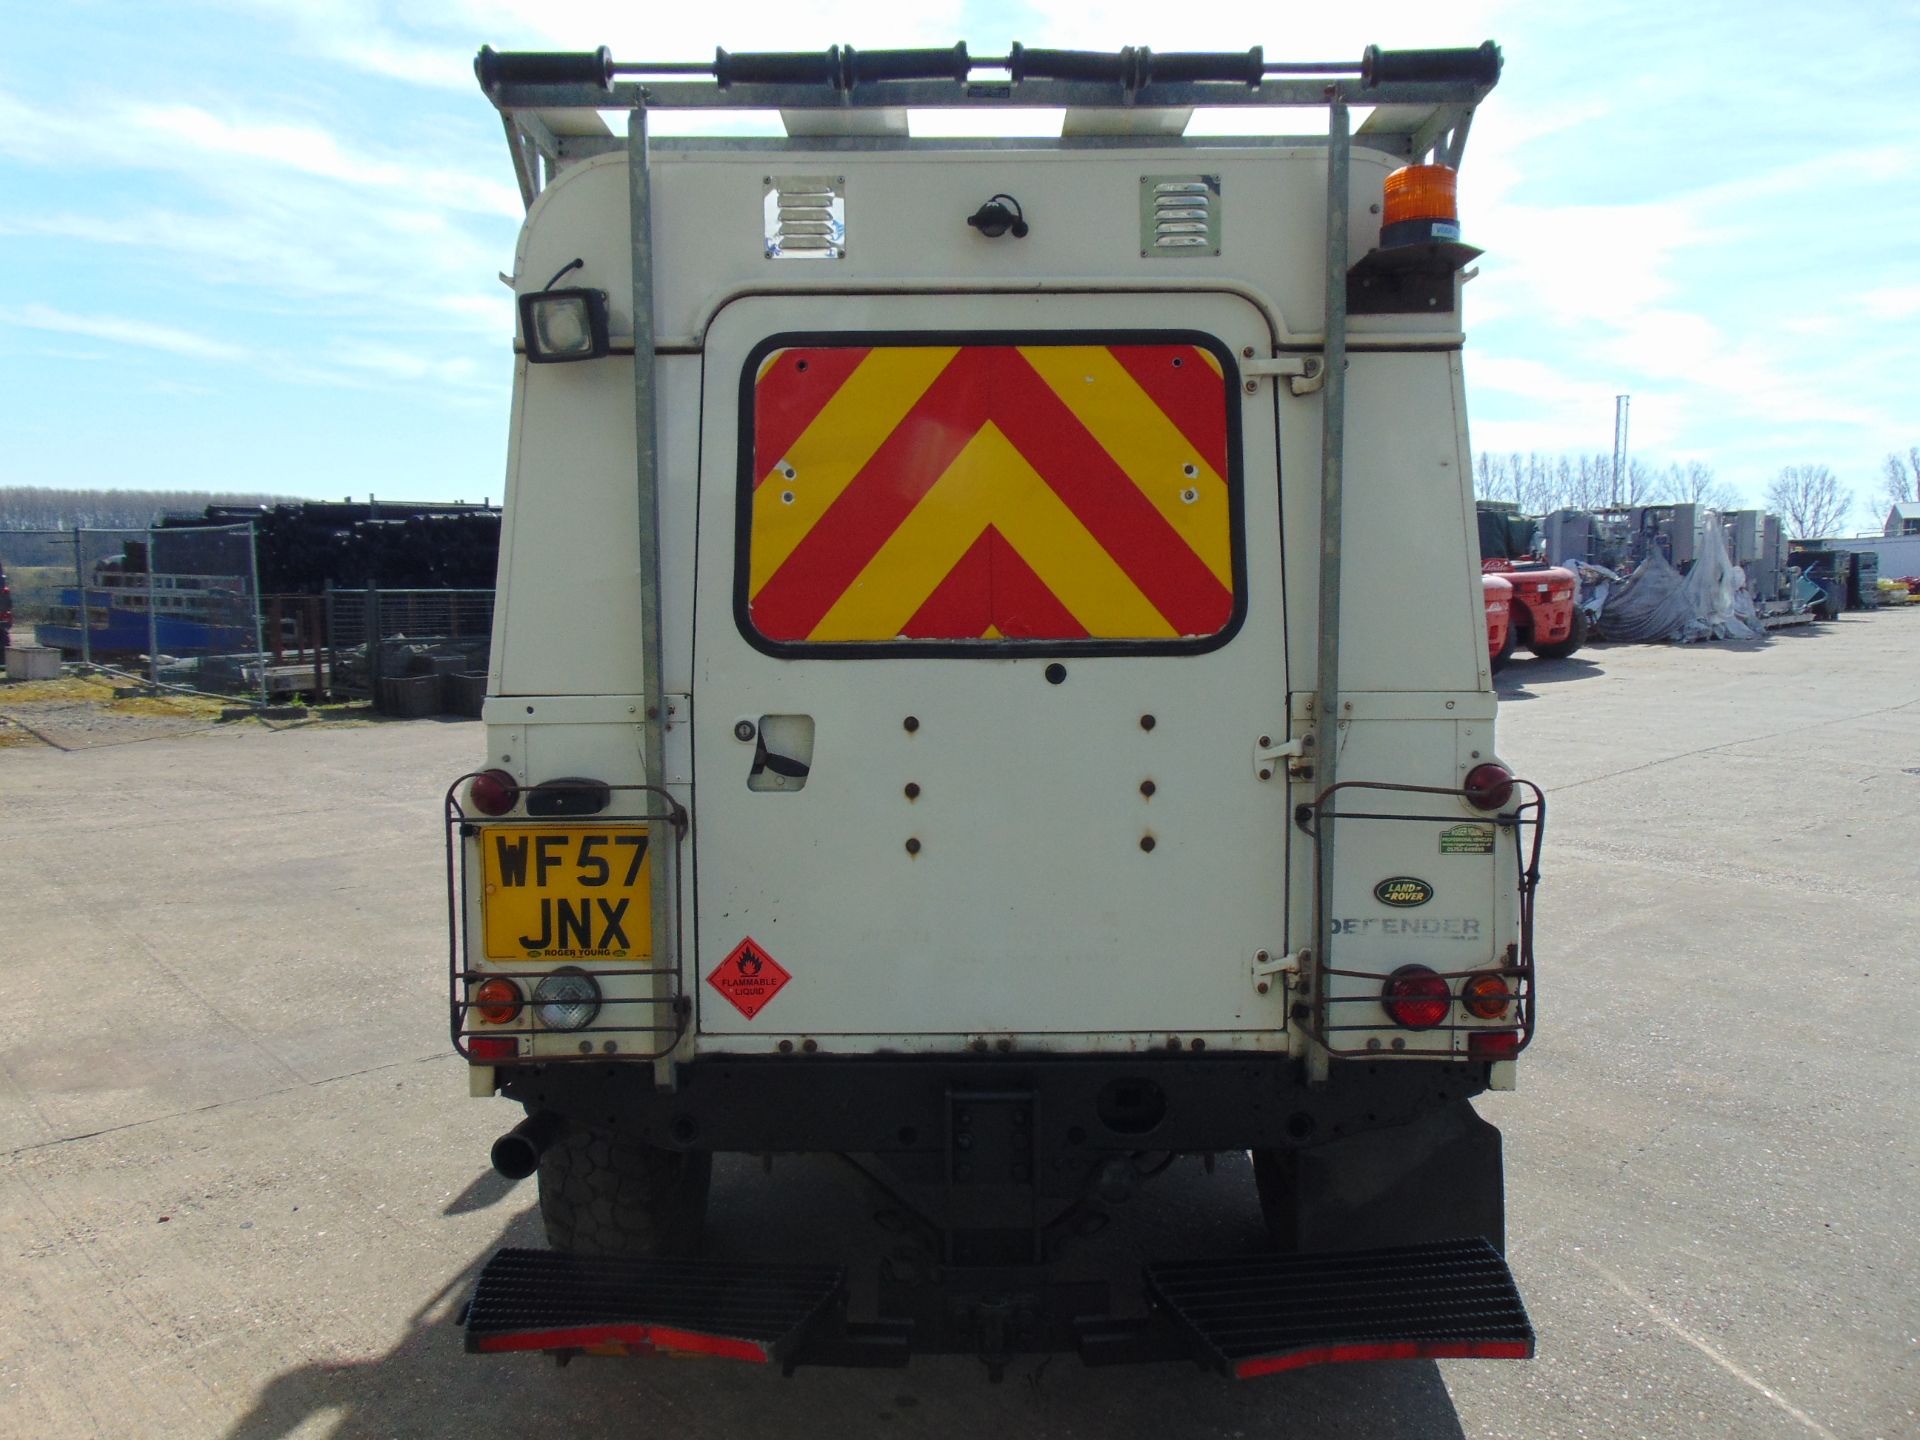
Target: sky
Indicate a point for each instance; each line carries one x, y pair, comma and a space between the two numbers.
252, 245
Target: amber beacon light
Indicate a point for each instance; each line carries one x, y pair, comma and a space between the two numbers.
1421, 204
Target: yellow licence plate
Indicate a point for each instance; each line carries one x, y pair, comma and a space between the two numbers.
566, 892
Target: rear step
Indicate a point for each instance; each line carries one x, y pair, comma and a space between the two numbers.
1246, 1316
543, 1300
1452, 1299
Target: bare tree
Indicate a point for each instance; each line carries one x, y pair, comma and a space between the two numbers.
1591, 484
1903, 477
1696, 484
1810, 500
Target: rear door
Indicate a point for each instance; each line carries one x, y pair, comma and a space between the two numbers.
988, 626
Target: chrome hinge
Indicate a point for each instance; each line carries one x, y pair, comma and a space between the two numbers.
1304, 373
1267, 756
1267, 966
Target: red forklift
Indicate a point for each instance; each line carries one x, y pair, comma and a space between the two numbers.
1543, 610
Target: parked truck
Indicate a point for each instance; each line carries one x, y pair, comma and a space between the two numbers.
990, 681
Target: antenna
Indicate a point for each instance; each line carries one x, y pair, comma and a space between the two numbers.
1620, 404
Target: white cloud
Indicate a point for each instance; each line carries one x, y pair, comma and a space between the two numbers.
125, 330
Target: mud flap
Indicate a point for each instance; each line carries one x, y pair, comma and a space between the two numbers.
1437, 1178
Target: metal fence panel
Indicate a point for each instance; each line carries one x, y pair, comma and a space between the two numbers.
179, 606
415, 652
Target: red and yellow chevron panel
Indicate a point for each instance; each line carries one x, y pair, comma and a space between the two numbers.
986, 492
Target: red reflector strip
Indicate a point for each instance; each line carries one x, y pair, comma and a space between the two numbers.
1397, 1350
1493, 1044
631, 1338
493, 1047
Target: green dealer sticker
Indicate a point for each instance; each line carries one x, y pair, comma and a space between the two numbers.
1469, 839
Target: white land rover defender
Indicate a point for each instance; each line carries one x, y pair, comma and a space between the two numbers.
990, 681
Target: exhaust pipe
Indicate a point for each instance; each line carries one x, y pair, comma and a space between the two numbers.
517, 1153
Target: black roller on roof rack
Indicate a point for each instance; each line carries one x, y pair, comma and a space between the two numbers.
1098, 66
781, 67
864, 66
1480, 65
543, 67
1247, 67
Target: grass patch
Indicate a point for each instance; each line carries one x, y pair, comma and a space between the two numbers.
97, 691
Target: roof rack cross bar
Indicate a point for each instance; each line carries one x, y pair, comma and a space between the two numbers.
939, 78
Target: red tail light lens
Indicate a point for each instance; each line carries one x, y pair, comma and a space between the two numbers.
1493, 1044
488, 1048
1489, 786
1486, 996
1415, 997
494, 792
498, 1000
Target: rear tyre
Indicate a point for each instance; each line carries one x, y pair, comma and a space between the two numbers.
604, 1194
1276, 1179
1576, 637
1507, 647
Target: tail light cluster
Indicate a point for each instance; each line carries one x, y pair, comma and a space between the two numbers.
1418, 998
1487, 787
498, 1001
494, 792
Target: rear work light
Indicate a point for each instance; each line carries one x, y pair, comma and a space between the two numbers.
1420, 205
1415, 997
494, 792
1488, 786
498, 1000
1486, 996
562, 325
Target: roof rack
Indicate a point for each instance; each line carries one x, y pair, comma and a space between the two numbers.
1421, 103
1421, 100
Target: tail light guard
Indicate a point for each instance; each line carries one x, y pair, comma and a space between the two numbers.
1329, 1017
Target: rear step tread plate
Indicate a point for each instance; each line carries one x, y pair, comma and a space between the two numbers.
546, 1300
1257, 1315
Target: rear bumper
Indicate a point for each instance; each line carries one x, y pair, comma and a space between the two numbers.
1079, 1106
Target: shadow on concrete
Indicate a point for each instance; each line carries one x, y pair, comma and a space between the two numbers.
1527, 670
428, 1385
489, 1187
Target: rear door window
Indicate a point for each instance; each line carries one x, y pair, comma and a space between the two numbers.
974, 494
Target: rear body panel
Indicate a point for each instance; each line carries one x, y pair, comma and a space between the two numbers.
1029, 886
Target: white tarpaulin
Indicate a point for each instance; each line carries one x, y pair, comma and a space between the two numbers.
1709, 602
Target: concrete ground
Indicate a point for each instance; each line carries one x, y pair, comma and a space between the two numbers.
242, 1188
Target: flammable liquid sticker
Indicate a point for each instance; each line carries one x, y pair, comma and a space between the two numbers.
748, 978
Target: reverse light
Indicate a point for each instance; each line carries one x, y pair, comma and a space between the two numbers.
498, 1000
1486, 996
1489, 786
1415, 997
494, 792
1420, 205
568, 999
563, 325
